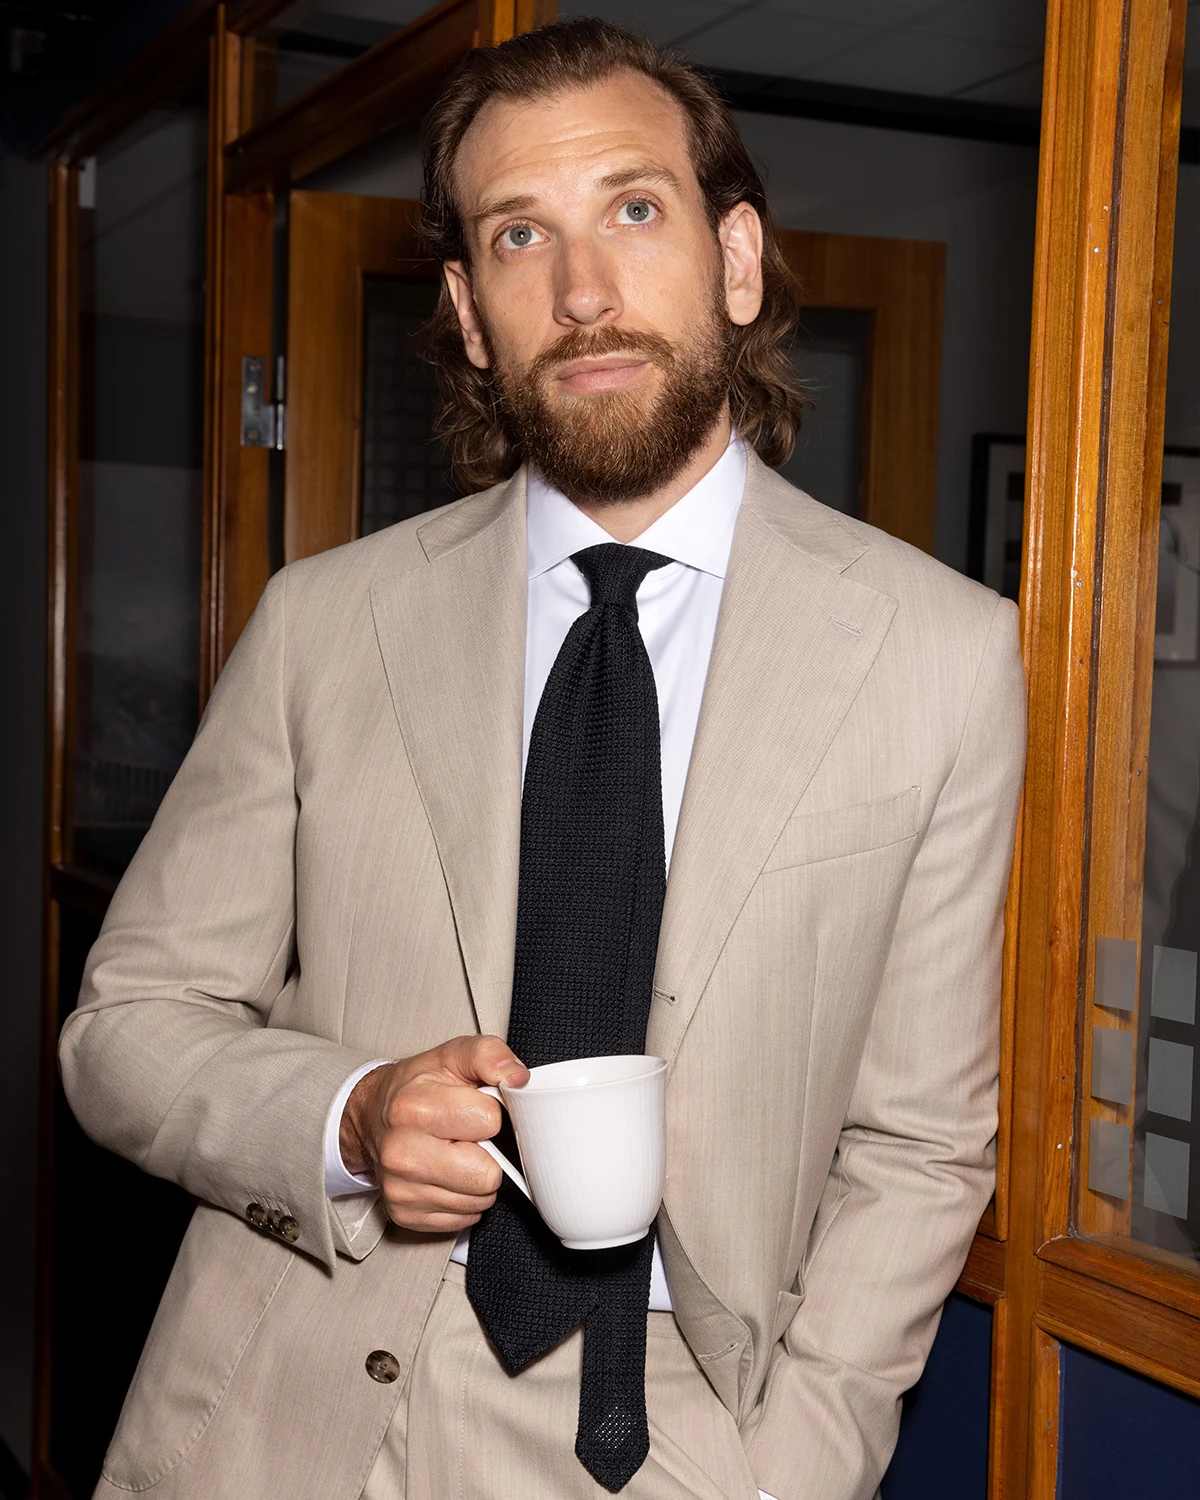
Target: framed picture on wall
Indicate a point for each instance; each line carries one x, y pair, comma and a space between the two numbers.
1177, 608
997, 511
997, 515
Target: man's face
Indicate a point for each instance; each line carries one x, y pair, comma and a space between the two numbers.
596, 288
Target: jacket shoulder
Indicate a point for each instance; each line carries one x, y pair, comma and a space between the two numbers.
361, 563
914, 578
928, 593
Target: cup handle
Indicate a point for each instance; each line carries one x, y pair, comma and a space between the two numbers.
499, 1156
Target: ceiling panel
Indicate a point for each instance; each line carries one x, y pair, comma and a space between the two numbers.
663, 20
988, 50
1021, 87
928, 64
1020, 22
864, 12
770, 42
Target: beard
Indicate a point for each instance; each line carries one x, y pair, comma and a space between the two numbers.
613, 446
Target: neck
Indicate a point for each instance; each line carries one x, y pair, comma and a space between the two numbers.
626, 519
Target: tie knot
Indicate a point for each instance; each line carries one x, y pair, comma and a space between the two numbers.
614, 572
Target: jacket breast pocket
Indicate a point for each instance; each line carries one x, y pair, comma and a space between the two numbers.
839, 831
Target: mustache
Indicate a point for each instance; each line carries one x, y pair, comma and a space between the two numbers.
592, 343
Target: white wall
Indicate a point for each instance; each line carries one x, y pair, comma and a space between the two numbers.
22, 675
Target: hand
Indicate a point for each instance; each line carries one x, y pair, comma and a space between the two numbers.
414, 1124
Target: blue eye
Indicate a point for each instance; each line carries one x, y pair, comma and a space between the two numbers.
519, 236
638, 210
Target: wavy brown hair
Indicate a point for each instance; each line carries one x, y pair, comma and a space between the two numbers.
766, 397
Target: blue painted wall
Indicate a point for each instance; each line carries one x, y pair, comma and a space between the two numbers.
1123, 1437
943, 1449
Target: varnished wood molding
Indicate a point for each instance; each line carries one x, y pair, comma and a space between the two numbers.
1147, 1272
1043, 1437
1129, 1330
982, 1277
85, 890
391, 83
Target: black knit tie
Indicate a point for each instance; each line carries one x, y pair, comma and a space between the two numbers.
589, 906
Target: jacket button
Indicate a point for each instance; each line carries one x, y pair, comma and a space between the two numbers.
257, 1215
383, 1366
273, 1222
289, 1229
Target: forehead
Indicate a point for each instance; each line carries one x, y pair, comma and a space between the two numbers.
566, 140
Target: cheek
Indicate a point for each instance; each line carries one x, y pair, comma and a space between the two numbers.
669, 287
518, 314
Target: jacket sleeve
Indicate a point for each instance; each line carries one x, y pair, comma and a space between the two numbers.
915, 1162
170, 1058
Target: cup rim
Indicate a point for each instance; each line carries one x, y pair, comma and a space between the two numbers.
524, 1091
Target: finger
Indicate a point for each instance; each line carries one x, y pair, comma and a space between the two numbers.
411, 1199
445, 1111
483, 1059
415, 1162
436, 1223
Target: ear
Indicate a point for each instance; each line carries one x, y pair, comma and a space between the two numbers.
458, 284
740, 234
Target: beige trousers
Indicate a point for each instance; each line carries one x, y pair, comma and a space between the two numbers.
465, 1429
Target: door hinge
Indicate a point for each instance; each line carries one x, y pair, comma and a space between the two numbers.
264, 423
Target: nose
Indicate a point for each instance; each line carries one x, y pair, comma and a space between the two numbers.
586, 292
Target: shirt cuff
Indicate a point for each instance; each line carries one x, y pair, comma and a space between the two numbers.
762, 1495
339, 1181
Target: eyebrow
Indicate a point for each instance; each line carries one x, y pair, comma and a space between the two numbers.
501, 206
644, 172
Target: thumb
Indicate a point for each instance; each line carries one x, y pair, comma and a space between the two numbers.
483, 1059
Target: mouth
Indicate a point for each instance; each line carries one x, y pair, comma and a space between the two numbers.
607, 372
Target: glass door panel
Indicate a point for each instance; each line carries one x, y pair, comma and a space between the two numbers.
1139, 1143
404, 468
138, 564
307, 42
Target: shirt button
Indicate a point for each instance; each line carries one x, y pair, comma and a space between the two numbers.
257, 1214
289, 1229
383, 1366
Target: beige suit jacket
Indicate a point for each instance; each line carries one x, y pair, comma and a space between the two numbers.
333, 878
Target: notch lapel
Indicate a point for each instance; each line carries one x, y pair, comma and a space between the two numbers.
452, 634
794, 641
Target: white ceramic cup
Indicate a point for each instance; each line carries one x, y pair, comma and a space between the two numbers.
591, 1134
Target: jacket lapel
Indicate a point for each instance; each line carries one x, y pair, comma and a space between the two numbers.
794, 641
452, 634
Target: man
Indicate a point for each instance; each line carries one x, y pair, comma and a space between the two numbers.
350, 870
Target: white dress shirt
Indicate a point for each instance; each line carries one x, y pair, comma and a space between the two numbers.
677, 614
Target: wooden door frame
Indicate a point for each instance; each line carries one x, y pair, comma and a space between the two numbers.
335, 241
338, 240
1109, 154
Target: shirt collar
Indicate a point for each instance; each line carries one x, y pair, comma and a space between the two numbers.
697, 530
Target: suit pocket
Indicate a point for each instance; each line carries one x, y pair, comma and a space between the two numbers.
809, 837
224, 1279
